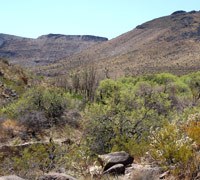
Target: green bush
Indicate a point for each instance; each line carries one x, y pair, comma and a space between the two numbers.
193, 81
40, 108
127, 108
170, 146
130, 114
33, 160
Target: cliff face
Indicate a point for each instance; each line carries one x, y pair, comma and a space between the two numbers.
73, 37
45, 49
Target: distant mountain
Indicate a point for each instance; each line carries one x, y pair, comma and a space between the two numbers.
45, 49
166, 44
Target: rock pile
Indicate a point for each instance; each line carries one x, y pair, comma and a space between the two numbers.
115, 163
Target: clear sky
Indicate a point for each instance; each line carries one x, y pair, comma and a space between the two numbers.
107, 18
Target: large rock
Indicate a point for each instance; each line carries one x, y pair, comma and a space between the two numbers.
142, 172
116, 169
56, 176
111, 159
11, 177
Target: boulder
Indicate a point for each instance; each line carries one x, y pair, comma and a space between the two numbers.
111, 159
145, 172
116, 169
56, 176
11, 177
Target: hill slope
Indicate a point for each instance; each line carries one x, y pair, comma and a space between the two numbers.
13, 82
45, 49
170, 43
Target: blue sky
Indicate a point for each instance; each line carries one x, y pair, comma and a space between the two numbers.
107, 18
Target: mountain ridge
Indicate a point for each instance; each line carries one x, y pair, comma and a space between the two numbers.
45, 49
166, 44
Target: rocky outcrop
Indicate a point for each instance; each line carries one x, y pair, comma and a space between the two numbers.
56, 176
178, 12
111, 159
121, 164
74, 37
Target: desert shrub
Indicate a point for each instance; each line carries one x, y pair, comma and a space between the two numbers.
108, 90
180, 95
32, 161
78, 159
170, 146
51, 101
34, 121
151, 99
36, 159
179, 92
107, 129
164, 139
130, 114
123, 113
40, 108
193, 81
133, 146
127, 108
192, 129
163, 78
98, 130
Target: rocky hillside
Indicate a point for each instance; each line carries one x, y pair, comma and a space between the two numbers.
170, 43
13, 82
45, 49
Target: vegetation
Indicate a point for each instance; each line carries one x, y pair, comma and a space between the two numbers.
40, 108
150, 113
